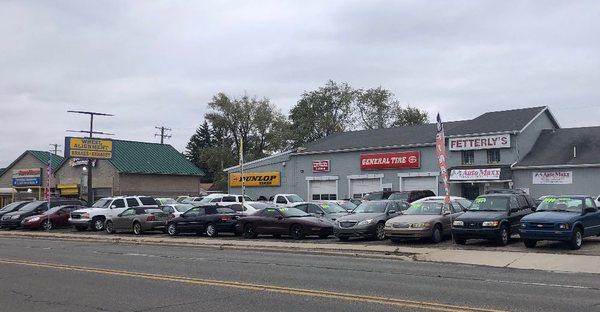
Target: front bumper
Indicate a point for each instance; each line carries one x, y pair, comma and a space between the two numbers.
10, 224
554, 235
355, 231
408, 232
31, 224
481, 233
153, 225
80, 222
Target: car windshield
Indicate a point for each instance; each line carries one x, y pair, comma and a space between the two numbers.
374, 196
259, 206
167, 201
332, 208
425, 208
294, 198
183, 207
293, 212
371, 207
225, 210
31, 206
490, 203
102, 203
247, 198
53, 210
207, 199
152, 211
10, 206
562, 204
399, 196
348, 205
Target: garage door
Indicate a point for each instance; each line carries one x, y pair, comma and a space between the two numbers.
361, 187
323, 190
420, 183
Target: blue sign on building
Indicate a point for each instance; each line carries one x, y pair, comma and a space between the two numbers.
27, 181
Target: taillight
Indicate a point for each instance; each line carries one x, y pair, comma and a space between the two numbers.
151, 218
225, 218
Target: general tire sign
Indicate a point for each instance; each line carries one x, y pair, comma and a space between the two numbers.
398, 160
479, 142
320, 166
271, 178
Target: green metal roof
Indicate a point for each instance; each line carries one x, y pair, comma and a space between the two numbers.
44, 156
151, 158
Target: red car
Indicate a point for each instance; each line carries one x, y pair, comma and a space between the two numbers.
279, 221
55, 217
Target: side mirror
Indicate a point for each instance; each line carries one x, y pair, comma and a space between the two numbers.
514, 210
534, 208
391, 211
113, 207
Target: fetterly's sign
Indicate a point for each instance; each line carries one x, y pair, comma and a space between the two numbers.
479, 142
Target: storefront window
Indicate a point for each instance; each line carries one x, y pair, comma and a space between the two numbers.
468, 157
493, 156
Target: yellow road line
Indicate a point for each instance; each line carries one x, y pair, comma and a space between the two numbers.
255, 287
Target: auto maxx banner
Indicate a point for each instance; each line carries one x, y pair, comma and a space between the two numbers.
27, 177
270, 178
399, 160
88, 148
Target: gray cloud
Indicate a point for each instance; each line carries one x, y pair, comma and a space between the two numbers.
159, 62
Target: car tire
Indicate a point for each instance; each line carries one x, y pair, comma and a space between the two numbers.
47, 225
576, 239
297, 231
211, 230
172, 229
503, 236
109, 227
250, 231
97, 224
343, 238
137, 228
530, 243
436, 236
380, 232
459, 240
81, 228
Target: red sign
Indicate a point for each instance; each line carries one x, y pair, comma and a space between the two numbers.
400, 160
320, 165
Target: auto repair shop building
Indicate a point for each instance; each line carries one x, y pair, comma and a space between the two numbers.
481, 155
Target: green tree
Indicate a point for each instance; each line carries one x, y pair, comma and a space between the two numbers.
409, 116
200, 140
376, 108
322, 112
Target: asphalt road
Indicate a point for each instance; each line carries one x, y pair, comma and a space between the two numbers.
44, 275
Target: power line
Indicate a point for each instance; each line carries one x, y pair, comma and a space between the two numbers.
162, 134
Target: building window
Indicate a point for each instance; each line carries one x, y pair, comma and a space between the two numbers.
493, 156
324, 196
468, 157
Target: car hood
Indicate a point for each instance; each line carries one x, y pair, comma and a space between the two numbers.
15, 213
335, 216
550, 216
362, 216
313, 221
482, 215
414, 218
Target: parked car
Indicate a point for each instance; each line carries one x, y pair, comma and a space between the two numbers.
223, 198
14, 206
55, 217
249, 207
165, 201
181, 199
567, 218
368, 219
284, 221
175, 210
346, 204
492, 216
12, 220
597, 200
541, 199
285, 199
328, 210
355, 201
192, 200
96, 216
207, 219
408, 196
137, 220
426, 218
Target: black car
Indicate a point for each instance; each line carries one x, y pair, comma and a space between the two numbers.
368, 219
204, 219
492, 216
12, 207
12, 220
407, 196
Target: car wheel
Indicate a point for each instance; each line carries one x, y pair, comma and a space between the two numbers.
110, 229
81, 228
137, 228
503, 236
530, 243
98, 224
250, 231
211, 230
344, 238
459, 240
436, 237
47, 225
576, 239
297, 232
380, 232
172, 229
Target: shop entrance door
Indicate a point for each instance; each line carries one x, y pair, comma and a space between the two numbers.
470, 191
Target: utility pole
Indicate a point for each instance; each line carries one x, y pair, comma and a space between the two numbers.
162, 134
91, 132
55, 148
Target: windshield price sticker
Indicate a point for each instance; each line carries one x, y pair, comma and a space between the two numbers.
480, 200
417, 205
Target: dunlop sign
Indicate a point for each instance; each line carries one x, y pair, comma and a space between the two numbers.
88, 148
272, 178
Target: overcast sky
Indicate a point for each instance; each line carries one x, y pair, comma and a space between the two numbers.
159, 62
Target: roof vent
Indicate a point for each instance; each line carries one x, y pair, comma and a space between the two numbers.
574, 151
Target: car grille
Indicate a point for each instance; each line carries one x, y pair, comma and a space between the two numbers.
400, 225
347, 224
540, 226
473, 225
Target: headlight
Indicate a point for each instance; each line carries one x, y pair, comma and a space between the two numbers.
490, 223
523, 225
563, 226
34, 219
458, 223
15, 217
388, 224
365, 222
419, 225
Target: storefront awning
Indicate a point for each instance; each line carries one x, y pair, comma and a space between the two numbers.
480, 181
68, 189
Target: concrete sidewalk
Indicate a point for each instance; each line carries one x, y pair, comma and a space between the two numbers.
507, 259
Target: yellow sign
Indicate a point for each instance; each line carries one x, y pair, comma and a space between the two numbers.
271, 178
89, 148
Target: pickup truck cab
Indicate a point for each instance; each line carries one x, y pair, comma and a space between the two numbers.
567, 218
105, 208
286, 200
493, 217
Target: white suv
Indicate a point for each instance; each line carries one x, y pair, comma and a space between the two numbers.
222, 199
104, 208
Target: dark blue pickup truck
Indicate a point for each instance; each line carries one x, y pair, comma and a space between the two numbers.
567, 218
